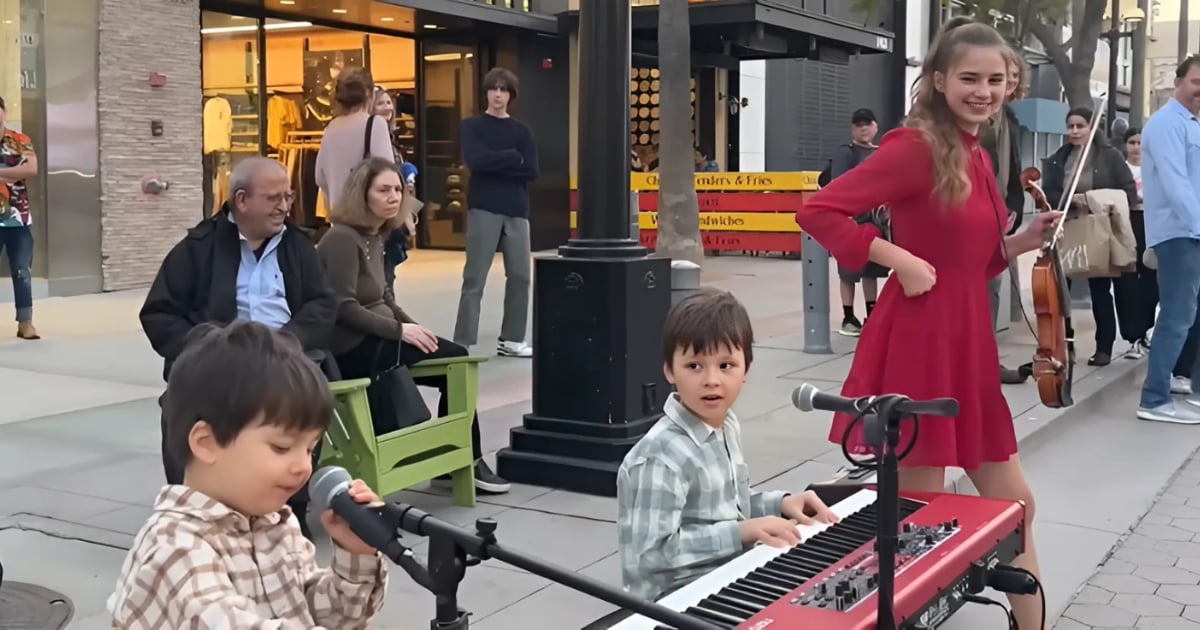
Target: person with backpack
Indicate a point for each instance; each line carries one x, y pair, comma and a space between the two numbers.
864, 128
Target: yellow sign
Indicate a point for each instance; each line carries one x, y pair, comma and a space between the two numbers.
726, 221
782, 181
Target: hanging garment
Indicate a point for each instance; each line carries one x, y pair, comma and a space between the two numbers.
282, 116
218, 125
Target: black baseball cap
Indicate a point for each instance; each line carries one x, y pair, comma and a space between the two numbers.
862, 116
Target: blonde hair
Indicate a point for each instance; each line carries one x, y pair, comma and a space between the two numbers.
1013, 57
353, 209
931, 115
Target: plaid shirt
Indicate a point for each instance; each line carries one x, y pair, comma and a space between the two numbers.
198, 564
681, 492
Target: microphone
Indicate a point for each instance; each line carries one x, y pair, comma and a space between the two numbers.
808, 398
329, 488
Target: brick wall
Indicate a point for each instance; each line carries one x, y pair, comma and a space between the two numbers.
138, 37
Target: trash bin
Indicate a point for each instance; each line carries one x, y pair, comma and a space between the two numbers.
685, 279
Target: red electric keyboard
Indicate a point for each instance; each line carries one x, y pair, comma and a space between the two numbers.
828, 581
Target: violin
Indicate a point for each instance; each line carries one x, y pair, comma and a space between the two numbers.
1053, 363
1054, 360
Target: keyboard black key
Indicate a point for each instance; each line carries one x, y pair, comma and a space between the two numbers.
722, 620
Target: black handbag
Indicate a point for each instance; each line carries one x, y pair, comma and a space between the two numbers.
393, 396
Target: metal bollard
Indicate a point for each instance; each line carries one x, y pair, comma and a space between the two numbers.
635, 230
685, 279
1004, 302
816, 296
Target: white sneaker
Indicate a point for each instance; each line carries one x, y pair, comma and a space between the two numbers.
1181, 385
518, 349
1169, 413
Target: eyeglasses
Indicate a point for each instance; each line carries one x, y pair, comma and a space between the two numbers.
286, 198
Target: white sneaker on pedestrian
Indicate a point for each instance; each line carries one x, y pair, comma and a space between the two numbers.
518, 349
1169, 413
1181, 385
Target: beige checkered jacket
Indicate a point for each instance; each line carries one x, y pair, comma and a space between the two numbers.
199, 564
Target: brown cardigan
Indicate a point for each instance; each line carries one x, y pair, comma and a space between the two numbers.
354, 270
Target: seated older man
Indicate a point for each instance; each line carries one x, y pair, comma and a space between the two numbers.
248, 262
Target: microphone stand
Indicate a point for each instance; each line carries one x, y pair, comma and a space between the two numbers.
882, 429
452, 549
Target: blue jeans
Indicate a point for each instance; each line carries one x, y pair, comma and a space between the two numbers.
17, 242
1178, 292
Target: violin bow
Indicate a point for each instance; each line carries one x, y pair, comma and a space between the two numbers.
1069, 193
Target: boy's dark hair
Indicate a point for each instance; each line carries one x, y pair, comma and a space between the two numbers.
504, 79
704, 322
232, 376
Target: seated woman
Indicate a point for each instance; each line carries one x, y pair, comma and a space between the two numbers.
369, 322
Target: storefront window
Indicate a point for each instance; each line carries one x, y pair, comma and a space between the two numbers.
301, 64
451, 94
229, 81
23, 90
523, 5
20, 31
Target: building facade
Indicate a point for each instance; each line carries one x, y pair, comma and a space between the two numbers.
119, 93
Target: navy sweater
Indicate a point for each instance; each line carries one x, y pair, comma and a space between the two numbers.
503, 160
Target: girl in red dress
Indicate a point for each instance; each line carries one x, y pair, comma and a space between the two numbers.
930, 335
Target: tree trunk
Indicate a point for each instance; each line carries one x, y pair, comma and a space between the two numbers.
1074, 60
678, 212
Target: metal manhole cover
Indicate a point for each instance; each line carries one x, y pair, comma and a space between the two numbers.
30, 607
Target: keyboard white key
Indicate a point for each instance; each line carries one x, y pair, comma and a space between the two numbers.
740, 566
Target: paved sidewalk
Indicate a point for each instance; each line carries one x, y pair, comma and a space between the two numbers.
79, 443
1152, 578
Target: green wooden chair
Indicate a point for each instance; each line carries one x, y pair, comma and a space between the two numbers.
402, 459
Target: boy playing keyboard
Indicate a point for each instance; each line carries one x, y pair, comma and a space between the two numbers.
684, 504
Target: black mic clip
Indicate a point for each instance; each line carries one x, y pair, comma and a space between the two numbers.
392, 515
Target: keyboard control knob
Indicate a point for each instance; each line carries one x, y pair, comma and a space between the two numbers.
908, 527
954, 522
947, 526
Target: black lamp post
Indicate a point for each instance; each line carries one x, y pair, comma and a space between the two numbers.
600, 304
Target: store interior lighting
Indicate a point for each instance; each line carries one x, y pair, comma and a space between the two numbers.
274, 26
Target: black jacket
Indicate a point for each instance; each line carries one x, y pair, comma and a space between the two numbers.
1109, 171
197, 283
1014, 195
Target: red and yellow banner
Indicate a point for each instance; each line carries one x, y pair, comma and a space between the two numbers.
738, 211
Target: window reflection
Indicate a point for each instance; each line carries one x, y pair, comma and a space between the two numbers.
450, 96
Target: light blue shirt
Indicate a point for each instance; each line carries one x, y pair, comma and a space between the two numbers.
1171, 174
261, 294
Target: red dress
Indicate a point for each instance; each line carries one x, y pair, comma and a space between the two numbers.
939, 344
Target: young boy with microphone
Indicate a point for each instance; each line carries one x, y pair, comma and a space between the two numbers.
245, 409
